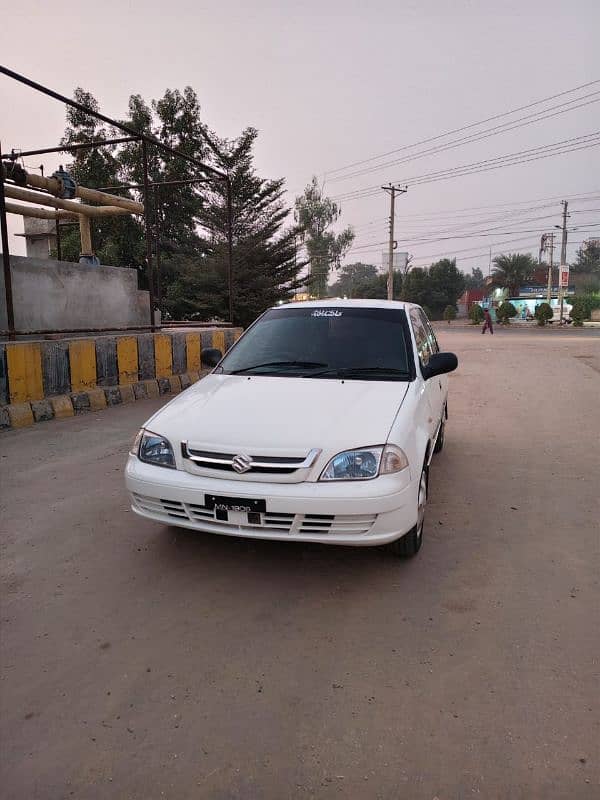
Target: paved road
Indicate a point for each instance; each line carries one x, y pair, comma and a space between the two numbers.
143, 662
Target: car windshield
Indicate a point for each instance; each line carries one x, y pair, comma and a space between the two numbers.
324, 342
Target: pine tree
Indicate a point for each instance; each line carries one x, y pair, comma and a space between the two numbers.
265, 268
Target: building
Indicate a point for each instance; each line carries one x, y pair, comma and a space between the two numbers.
40, 237
469, 298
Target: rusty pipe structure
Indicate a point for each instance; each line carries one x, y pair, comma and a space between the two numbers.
29, 196
143, 138
40, 213
55, 187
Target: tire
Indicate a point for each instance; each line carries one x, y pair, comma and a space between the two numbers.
409, 545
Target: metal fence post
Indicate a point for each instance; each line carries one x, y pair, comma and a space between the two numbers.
148, 232
10, 312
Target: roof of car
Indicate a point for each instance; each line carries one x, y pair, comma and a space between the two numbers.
339, 302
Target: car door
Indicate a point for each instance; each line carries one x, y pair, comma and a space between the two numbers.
441, 381
431, 390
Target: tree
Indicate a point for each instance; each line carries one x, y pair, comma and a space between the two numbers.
475, 279
583, 305
505, 312
117, 241
450, 313
351, 279
265, 268
376, 288
543, 313
476, 314
437, 286
363, 280
588, 258
446, 284
175, 120
315, 214
512, 271
415, 288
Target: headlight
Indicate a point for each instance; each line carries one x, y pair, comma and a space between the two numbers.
365, 463
153, 449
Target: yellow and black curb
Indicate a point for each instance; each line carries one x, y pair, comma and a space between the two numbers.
43, 380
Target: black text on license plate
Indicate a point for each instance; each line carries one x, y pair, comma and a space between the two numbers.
218, 503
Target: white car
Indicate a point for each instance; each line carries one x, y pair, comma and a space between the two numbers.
318, 425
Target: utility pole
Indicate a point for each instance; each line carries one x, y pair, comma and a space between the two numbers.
393, 190
563, 258
547, 243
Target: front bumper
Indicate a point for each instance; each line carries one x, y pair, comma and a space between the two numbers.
347, 513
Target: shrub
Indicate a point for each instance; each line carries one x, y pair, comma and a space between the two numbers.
504, 312
428, 312
476, 314
450, 313
583, 305
543, 313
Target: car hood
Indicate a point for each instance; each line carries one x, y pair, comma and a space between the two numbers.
289, 416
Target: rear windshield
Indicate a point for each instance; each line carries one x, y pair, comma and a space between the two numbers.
332, 342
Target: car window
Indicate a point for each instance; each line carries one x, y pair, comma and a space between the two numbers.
316, 341
433, 342
419, 323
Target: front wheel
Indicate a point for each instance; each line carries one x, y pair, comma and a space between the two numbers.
410, 544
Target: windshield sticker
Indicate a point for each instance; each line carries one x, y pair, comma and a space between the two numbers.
327, 312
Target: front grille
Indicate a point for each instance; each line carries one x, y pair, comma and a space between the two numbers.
257, 464
271, 522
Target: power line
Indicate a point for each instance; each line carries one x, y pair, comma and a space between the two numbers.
476, 137
463, 128
464, 226
582, 197
510, 159
476, 164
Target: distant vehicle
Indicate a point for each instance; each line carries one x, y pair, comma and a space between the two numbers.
319, 425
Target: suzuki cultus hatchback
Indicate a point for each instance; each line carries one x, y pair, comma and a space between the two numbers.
318, 425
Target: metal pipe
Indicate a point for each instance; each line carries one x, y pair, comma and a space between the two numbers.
113, 122
157, 240
85, 232
148, 233
10, 312
29, 196
69, 148
230, 247
54, 186
39, 213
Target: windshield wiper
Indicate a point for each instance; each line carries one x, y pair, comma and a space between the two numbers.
352, 372
302, 364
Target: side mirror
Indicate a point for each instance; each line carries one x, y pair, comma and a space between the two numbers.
439, 364
211, 357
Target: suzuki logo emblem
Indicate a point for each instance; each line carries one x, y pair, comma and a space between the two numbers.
241, 463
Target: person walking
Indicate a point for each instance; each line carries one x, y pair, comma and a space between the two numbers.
487, 325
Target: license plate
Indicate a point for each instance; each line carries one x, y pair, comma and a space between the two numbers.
218, 503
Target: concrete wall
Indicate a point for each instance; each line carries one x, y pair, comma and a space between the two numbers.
60, 295
44, 379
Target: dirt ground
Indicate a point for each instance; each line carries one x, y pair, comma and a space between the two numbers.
144, 662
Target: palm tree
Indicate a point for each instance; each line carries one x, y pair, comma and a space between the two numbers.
512, 271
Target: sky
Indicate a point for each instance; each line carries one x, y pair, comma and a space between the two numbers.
329, 84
